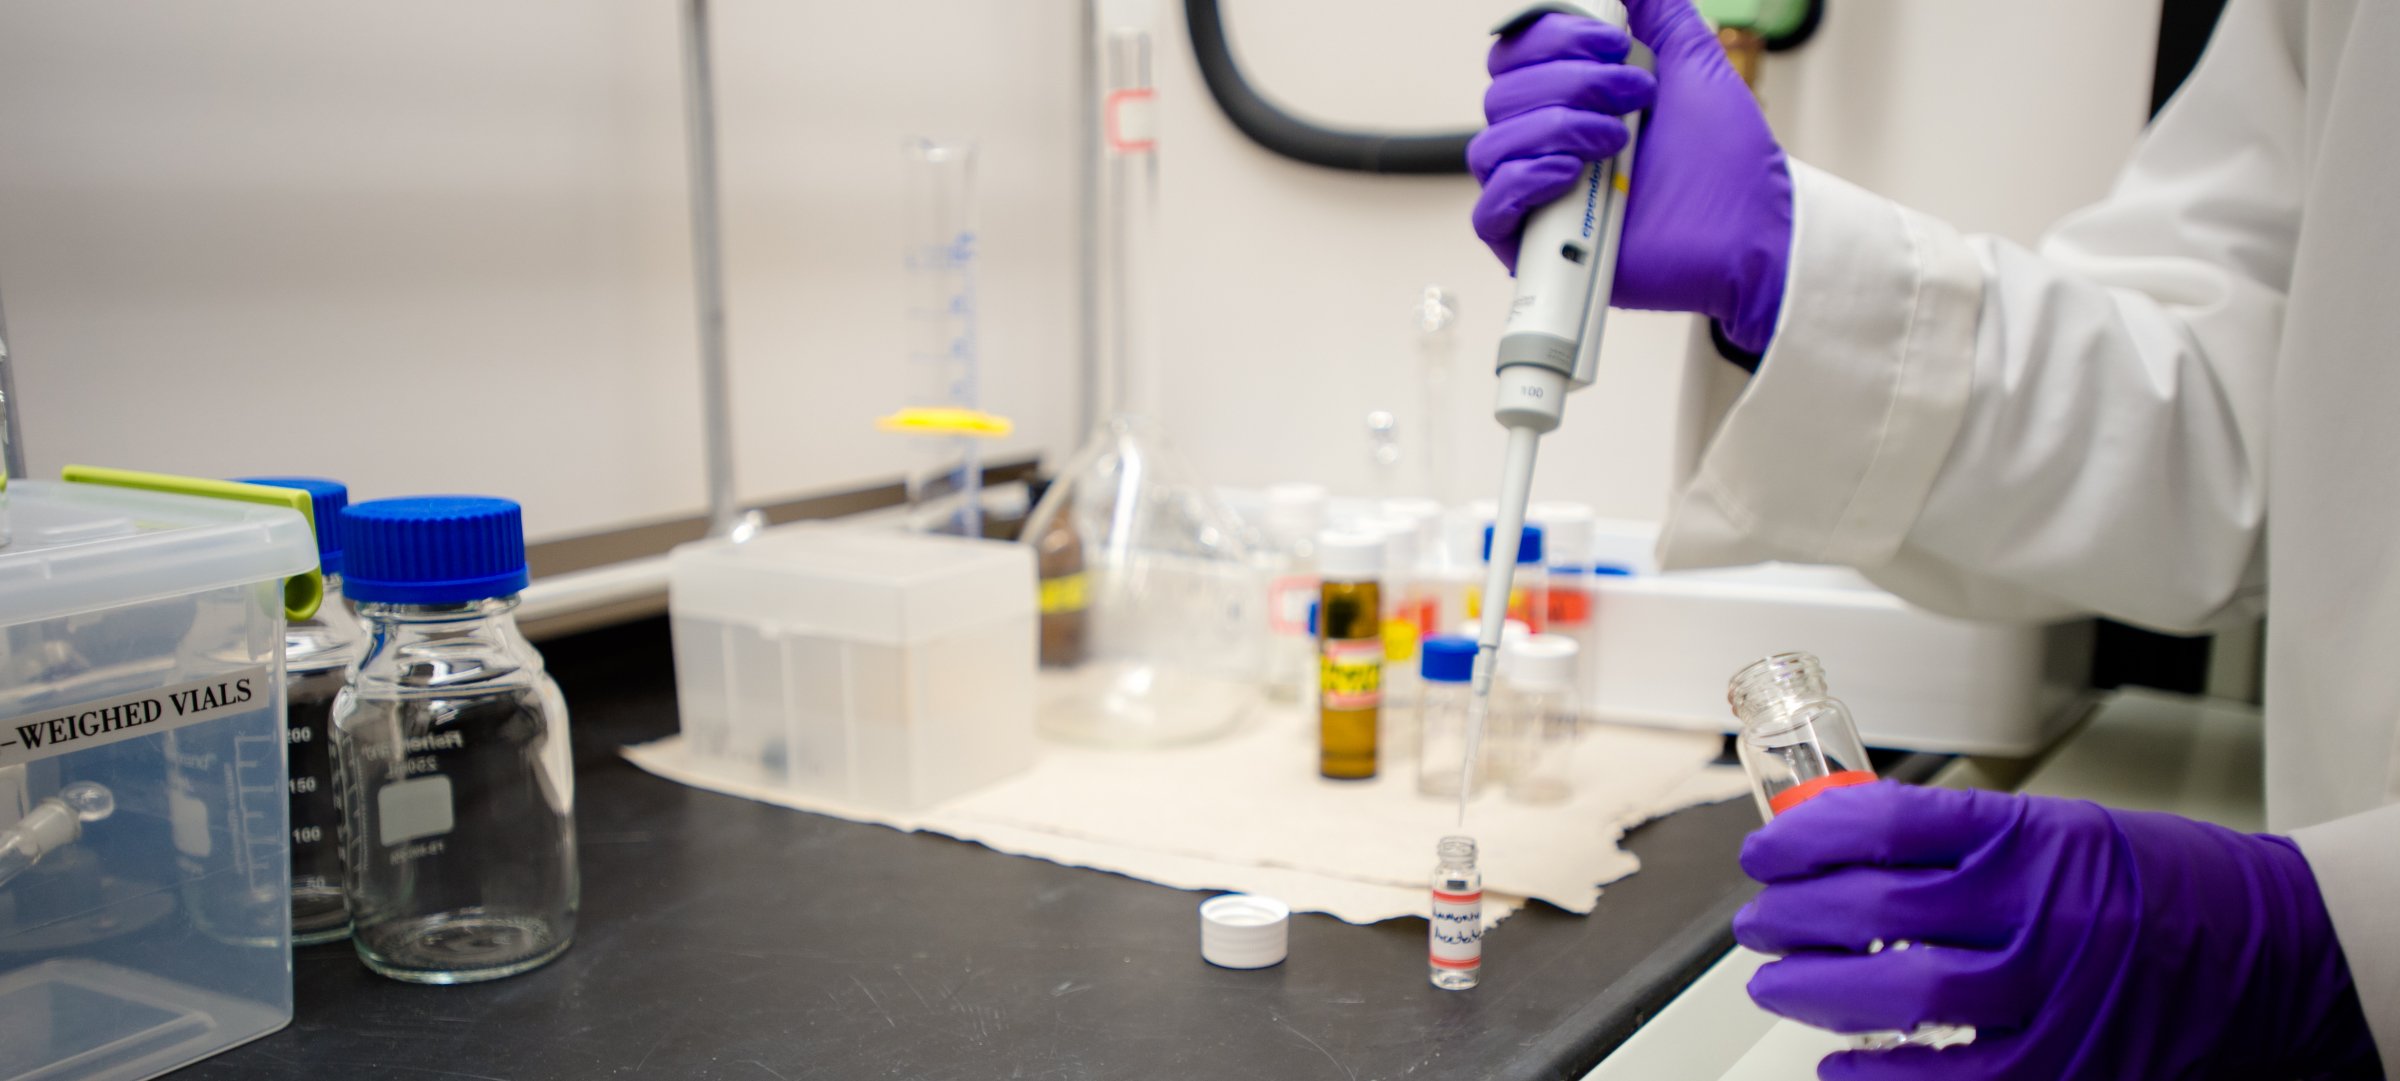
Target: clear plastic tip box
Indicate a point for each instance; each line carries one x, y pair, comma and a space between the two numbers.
888, 670
144, 889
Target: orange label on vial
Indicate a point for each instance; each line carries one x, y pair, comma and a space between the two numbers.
1350, 673
1808, 790
1570, 607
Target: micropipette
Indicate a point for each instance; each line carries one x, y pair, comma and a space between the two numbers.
1550, 345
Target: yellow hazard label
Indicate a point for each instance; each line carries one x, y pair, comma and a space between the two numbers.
1066, 593
1350, 673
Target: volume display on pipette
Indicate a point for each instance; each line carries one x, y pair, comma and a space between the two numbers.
1566, 269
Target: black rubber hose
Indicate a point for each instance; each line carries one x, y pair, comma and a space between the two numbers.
1266, 123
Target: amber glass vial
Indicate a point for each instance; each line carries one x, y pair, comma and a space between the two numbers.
1350, 654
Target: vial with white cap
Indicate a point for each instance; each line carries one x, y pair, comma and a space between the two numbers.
1295, 515
1407, 614
1568, 531
1350, 654
1538, 719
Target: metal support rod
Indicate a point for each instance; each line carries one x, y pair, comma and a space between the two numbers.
716, 393
13, 450
1090, 410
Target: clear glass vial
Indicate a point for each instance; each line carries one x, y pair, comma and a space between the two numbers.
458, 792
1447, 668
1295, 515
1528, 585
1455, 934
317, 655
1542, 715
1797, 740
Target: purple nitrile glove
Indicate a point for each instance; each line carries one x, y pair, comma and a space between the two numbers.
2080, 942
1708, 218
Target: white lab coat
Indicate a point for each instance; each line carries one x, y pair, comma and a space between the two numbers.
2116, 423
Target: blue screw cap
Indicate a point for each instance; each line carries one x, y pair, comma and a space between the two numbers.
1449, 658
329, 497
1529, 547
434, 549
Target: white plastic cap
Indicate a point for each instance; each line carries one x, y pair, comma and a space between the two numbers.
1139, 14
1513, 630
1244, 930
1400, 549
1349, 556
1567, 532
1541, 661
1295, 511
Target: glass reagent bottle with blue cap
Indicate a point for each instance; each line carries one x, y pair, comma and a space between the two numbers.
458, 792
317, 655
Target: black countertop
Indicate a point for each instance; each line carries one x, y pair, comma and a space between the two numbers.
722, 938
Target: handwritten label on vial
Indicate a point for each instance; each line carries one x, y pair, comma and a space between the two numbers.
1457, 930
1350, 673
81, 727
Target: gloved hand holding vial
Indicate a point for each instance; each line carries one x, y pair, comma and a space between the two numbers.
2007, 432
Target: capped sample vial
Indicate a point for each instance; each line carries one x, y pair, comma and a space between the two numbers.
1540, 718
1529, 584
1295, 516
1349, 654
317, 654
1456, 931
1447, 668
458, 789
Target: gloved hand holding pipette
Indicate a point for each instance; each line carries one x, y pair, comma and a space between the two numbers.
2080, 942
1708, 221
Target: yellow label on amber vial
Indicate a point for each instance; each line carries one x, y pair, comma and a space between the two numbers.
1065, 593
1350, 673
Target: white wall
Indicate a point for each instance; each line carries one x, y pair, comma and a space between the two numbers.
443, 246
1291, 282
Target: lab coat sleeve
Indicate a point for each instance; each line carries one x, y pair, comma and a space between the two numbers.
1996, 432
2357, 864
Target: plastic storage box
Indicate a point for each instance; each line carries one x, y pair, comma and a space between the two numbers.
1663, 646
141, 637
889, 670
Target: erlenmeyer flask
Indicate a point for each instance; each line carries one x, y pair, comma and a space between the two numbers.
1176, 603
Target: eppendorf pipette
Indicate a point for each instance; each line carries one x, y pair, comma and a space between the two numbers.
1566, 268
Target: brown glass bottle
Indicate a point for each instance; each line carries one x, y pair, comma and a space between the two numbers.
1065, 591
1349, 654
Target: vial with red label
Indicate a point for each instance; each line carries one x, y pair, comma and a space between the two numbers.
1797, 741
1456, 933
